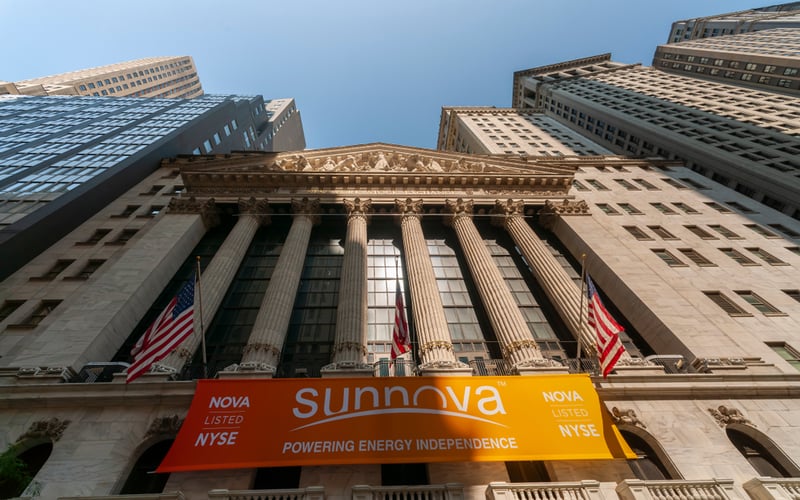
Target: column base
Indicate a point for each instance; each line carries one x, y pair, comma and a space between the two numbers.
347, 369
539, 367
248, 370
445, 369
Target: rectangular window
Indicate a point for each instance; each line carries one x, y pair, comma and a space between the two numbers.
767, 257
44, 308
738, 257
8, 307
726, 304
795, 294
758, 303
663, 209
637, 232
217, 139
719, 208
645, 184
686, 208
696, 257
98, 235
794, 250
127, 212
742, 208
761, 230
207, 146
596, 184
667, 257
700, 232
123, 237
153, 191
607, 209
627, 185
693, 183
87, 270
724, 231
785, 230
630, 209
54, 271
577, 185
783, 350
662, 233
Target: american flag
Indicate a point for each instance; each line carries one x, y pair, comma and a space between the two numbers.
174, 325
401, 343
609, 347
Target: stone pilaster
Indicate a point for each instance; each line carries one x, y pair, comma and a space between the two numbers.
263, 349
350, 344
518, 346
435, 346
217, 278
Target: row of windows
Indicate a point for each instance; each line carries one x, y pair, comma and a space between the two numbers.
695, 256
640, 234
753, 299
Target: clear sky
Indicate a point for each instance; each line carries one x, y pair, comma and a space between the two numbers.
360, 70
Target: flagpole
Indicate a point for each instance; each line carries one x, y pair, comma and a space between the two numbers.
580, 309
200, 309
398, 276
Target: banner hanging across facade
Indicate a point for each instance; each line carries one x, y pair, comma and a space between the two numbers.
280, 422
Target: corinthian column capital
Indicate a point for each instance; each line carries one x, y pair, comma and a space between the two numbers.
408, 207
357, 207
309, 208
207, 209
551, 211
256, 208
504, 209
457, 208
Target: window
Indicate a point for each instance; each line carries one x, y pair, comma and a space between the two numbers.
756, 301
700, 232
8, 307
647, 465
607, 209
790, 71
770, 69
724, 231
686, 208
766, 460
696, 257
217, 139
98, 235
627, 185
795, 294
719, 208
786, 352
785, 230
693, 183
207, 146
127, 212
726, 304
54, 271
637, 232
667, 257
738, 257
153, 211
663, 209
663, 233
44, 308
87, 270
767, 257
596, 184
627, 207
153, 190
646, 185
123, 237
761, 230
794, 250
742, 208
579, 186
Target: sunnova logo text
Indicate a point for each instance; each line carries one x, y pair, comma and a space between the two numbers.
366, 401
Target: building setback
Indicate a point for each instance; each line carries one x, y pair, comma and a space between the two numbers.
64, 158
148, 77
786, 15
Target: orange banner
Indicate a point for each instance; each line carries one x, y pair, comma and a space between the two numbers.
280, 422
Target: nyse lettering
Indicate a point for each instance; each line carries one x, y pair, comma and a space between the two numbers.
216, 438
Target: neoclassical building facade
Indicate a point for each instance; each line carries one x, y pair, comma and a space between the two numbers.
301, 255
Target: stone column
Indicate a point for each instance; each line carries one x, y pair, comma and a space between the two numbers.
430, 323
217, 278
516, 341
263, 350
350, 345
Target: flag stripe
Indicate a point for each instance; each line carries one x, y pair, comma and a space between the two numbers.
401, 343
609, 346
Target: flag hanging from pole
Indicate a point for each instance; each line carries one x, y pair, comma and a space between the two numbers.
401, 343
174, 325
609, 347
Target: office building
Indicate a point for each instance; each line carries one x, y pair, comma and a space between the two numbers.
743, 138
64, 158
148, 77
767, 60
300, 255
786, 15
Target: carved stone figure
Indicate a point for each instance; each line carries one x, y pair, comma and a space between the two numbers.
165, 426
725, 416
51, 428
626, 417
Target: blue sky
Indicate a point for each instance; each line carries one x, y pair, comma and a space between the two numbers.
360, 70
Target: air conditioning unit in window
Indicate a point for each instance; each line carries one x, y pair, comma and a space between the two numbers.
100, 371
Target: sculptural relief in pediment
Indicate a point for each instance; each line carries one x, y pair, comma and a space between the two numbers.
383, 161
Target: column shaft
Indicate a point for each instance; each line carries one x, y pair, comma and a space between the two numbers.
517, 343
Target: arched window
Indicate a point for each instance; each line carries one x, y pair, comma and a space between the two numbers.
141, 479
24, 466
764, 455
651, 461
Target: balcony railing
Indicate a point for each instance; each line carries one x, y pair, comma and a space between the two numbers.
309, 493
583, 490
770, 488
170, 495
712, 489
450, 491
395, 368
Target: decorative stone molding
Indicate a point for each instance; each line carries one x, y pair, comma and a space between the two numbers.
185, 353
164, 426
632, 362
408, 207
309, 208
207, 210
36, 374
626, 416
507, 208
159, 368
348, 366
457, 208
539, 363
349, 346
518, 345
549, 214
257, 208
444, 365
269, 348
434, 345
358, 208
51, 428
725, 415
706, 365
